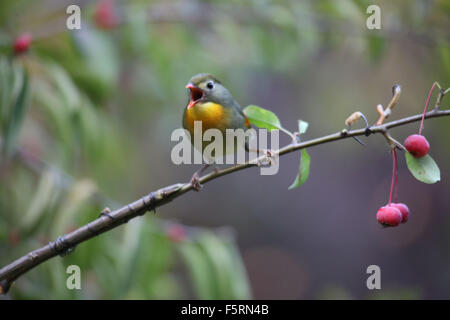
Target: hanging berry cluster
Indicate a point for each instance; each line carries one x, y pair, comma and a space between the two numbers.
394, 213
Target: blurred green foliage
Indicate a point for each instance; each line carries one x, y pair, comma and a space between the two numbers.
65, 115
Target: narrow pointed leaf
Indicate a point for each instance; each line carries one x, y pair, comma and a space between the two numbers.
305, 159
199, 268
303, 171
18, 111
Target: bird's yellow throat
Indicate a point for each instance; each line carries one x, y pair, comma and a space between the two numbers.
212, 115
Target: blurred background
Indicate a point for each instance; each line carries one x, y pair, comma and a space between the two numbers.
86, 118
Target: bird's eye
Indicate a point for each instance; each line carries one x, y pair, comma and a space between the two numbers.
210, 85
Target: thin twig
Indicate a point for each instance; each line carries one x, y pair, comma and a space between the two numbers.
384, 114
111, 220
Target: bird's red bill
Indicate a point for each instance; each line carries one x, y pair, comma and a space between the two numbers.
196, 95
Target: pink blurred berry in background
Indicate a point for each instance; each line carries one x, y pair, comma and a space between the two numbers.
22, 43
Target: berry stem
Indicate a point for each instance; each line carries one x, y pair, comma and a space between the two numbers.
396, 175
426, 107
394, 170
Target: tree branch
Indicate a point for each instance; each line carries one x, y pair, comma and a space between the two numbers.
110, 220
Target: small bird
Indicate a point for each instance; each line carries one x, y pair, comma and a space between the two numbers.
212, 104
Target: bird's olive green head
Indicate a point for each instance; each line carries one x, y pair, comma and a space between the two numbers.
206, 88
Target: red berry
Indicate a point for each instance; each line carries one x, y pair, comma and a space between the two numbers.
404, 210
105, 15
389, 216
417, 145
22, 43
176, 233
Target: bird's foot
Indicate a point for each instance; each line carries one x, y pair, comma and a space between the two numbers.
195, 182
268, 158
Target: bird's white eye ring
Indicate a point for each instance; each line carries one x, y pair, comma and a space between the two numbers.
210, 85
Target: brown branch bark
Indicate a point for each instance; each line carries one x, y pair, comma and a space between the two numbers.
110, 220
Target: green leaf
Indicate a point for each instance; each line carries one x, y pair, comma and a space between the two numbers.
19, 106
75, 202
303, 171
302, 126
423, 169
46, 194
215, 267
128, 253
241, 287
220, 264
305, 159
376, 46
230, 278
64, 86
97, 65
199, 269
262, 118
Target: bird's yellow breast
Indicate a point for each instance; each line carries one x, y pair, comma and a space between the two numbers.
212, 115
